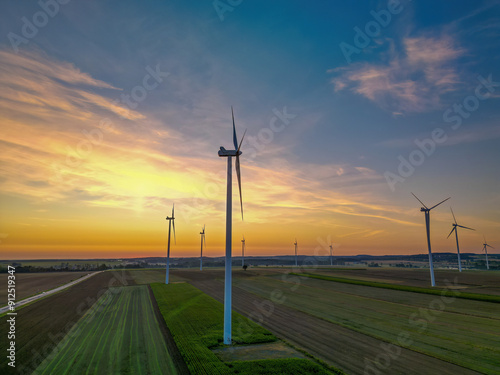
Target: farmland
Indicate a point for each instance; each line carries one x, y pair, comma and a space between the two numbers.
149, 276
354, 327
195, 321
449, 290
349, 324
29, 284
42, 325
119, 334
473, 281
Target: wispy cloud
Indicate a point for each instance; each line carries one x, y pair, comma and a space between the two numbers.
412, 80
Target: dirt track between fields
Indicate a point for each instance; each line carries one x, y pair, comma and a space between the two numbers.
336, 345
172, 348
29, 284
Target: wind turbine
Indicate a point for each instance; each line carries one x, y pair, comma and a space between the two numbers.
227, 281
455, 226
331, 255
171, 223
295, 243
427, 211
201, 252
485, 249
243, 251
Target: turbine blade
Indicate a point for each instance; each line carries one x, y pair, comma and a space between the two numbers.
453, 215
235, 140
241, 141
419, 200
454, 228
490, 246
439, 203
461, 226
238, 174
173, 225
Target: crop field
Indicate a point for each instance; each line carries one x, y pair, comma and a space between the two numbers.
42, 325
177, 329
435, 330
149, 276
196, 323
118, 335
473, 281
28, 284
448, 290
441, 336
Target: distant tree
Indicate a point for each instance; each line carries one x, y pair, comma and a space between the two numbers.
245, 267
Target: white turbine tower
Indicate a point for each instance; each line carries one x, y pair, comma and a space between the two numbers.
171, 223
202, 233
485, 249
331, 255
427, 211
243, 251
455, 226
296, 262
227, 282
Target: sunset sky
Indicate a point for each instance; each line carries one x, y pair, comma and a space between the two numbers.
111, 111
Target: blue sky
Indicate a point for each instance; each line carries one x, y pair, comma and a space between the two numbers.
322, 174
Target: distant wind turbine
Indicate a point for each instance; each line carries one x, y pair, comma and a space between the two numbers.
227, 281
243, 251
296, 262
171, 223
455, 226
485, 249
201, 252
427, 211
331, 255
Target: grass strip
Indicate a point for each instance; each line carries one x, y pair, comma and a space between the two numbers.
406, 288
195, 321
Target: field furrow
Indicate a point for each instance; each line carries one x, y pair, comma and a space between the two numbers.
120, 334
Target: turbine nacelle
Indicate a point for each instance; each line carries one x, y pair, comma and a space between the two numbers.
224, 153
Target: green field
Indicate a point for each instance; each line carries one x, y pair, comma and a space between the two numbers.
465, 332
118, 335
405, 288
196, 323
